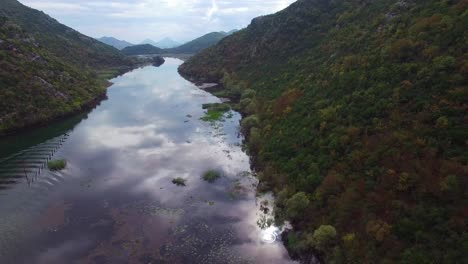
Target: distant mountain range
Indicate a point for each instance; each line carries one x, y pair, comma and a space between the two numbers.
116, 43
191, 47
148, 41
165, 43
47, 70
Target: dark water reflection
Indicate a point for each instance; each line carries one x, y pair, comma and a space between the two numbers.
115, 202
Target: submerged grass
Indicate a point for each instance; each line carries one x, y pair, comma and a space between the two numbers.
57, 165
211, 176
215, 112
179, 181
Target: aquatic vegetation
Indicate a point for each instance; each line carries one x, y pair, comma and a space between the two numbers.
57, 165
211, 176
237, 190
215, 112
217, 107
179, 181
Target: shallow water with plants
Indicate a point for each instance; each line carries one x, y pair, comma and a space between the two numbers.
115, 201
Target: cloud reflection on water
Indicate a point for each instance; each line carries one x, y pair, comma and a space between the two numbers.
125, 155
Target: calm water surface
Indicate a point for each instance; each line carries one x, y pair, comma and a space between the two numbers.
115, 202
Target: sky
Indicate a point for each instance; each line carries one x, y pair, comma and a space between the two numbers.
136, 20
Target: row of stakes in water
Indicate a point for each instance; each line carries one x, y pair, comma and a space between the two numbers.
52, 145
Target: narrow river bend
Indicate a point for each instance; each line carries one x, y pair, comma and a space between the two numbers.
115, 202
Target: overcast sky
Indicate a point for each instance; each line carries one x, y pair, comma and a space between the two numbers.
135, 20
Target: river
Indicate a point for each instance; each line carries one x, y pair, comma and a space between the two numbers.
115, 201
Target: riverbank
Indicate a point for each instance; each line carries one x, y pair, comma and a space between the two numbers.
238, 101
104, 76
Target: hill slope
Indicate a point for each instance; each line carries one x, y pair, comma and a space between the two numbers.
142, 49
62, 41
356, 118
199, 44
116, 43
36, 86
47, 69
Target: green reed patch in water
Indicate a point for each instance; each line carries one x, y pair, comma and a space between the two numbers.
215, 112
211, 176
237, 190
179, 181
56, 165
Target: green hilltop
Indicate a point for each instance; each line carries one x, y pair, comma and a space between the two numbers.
142, 49
355, 114
198, 44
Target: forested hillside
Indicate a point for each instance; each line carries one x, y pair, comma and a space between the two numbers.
47, 69
355, 114
142, 49
198, 44
62, 41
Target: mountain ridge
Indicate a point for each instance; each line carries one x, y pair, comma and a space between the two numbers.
142, 49
199, 43
49, 32
167, 43
116, 43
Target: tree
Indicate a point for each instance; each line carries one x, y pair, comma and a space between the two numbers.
324, 237
296, 204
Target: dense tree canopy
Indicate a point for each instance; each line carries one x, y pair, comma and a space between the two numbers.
361, 106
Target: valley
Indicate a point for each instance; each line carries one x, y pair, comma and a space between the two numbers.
321, 132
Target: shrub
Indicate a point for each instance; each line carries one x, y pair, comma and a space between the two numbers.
244, 103
249, 93
249, 122
296, 204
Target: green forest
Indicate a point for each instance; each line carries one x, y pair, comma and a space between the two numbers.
355, 114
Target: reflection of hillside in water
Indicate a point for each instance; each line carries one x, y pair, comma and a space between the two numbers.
116, 202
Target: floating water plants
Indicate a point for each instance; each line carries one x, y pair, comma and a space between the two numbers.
211, 176
215, 112
179, 181
57, 165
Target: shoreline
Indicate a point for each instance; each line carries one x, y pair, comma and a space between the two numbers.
309, 258
90, 105
43, 123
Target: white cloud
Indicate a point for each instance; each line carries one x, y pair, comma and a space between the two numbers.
214, 8
135, 20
